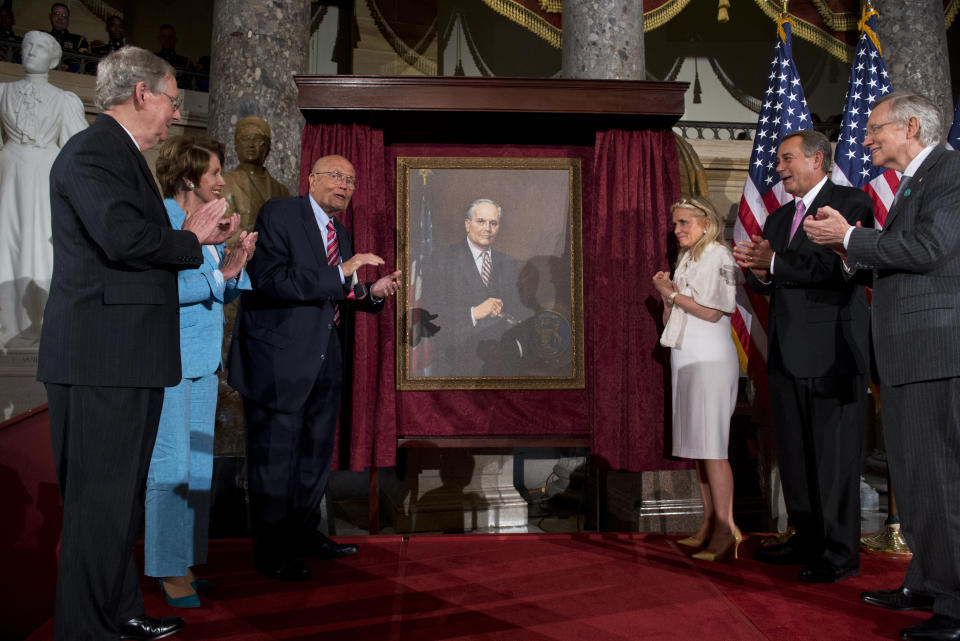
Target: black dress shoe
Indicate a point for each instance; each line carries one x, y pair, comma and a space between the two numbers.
320, 546
899, 599
940, 627
783, 554
823, 572
144, 628
285, 570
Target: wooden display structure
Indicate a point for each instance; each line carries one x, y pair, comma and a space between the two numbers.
487, 110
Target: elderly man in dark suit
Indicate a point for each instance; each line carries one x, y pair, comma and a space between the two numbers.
817, 363
110, 340
915, 262
286, 360
472, 291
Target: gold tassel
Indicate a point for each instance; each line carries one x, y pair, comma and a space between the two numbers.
722, 11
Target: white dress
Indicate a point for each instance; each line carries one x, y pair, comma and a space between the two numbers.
37, 118
703, 361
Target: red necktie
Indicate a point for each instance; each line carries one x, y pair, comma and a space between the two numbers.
333, 259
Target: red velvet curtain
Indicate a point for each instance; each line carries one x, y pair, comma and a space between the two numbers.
636, 174
370, 430
629, 180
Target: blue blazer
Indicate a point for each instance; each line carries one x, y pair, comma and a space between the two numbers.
202, 298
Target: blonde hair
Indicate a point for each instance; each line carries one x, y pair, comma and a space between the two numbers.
702, 209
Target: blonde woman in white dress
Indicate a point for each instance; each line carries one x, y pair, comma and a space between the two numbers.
704, 365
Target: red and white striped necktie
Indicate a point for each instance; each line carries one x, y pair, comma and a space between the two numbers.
333, 259
485, 269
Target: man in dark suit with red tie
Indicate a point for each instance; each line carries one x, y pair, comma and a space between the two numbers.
111, 340
817, 364
286, 360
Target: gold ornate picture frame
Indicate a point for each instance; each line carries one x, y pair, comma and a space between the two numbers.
512, 319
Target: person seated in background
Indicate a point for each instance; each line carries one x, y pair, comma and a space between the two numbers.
117, 36
168, 43
9, 41
60, 29
181, 468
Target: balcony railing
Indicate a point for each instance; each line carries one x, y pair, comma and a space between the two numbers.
703, 130
85, 63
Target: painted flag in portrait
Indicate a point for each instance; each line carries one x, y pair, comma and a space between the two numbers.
953, 138
853, 165
783, 110
421, 249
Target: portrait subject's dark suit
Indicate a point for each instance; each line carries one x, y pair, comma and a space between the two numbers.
109, 345
915, 262
817, 364
452, 286
286, 360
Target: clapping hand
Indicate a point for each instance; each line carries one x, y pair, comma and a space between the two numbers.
663, 284
208, 224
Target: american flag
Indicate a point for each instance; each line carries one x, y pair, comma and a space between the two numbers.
953, 138
868, 81
784, 109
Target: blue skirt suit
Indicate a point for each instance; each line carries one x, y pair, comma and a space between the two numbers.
181, 469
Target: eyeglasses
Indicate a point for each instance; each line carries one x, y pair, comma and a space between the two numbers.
340, 177
175, 102
873, 129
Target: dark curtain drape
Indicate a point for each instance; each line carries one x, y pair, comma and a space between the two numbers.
636, 174
368, 415
629, 180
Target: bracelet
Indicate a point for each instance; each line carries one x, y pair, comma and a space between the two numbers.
672, 297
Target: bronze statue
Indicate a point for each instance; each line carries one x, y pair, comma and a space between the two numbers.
250, 184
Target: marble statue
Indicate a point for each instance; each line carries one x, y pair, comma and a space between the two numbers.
37, 120
250, 184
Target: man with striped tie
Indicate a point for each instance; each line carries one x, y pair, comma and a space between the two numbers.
915, 263
286, 360
473, 291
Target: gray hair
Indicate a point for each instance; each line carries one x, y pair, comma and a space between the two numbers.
480, 201
812, 142
119, 73
42, 37
904, 106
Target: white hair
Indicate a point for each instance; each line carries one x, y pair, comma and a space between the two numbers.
481, 201
119, 73
904, 106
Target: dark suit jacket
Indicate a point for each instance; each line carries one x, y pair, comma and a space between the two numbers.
452, 285
916, 270
818, 320
111, 318
283, 330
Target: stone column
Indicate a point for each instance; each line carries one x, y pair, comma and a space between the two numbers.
603, 39
914, 41
257, 47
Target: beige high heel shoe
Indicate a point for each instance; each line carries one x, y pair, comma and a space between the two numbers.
692, 542
733, 547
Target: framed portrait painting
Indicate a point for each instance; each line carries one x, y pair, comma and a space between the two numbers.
491, 249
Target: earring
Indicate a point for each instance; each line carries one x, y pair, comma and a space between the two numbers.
190, 185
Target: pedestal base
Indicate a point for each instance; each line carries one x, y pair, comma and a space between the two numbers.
455, 491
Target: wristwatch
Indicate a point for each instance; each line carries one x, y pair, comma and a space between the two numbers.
672, 297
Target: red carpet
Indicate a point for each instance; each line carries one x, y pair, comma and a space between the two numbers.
531, 588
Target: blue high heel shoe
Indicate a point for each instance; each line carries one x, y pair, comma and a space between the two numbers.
189, 601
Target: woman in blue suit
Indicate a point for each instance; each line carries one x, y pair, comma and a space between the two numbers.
181, 470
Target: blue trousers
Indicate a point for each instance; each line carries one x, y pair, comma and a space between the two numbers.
180, 477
